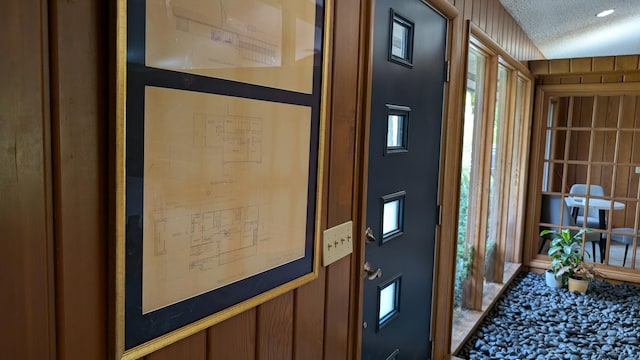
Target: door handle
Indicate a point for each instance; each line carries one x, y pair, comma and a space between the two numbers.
368, 236
370, 272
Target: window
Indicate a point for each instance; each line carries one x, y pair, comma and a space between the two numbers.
590, 161
495, 136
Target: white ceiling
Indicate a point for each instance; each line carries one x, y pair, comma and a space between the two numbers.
570, 29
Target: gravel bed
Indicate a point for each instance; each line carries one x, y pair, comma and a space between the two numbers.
533, 321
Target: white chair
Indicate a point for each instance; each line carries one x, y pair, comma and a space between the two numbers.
593, 215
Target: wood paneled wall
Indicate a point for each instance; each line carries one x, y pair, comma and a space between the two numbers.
492, 18
26, 217
54, 134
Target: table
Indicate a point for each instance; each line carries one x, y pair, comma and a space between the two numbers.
576, 202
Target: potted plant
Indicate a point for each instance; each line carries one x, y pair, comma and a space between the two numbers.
581, 276
565, 255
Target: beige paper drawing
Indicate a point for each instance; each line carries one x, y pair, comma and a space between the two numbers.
225, 191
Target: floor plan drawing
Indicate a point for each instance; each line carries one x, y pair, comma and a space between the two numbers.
225, 191
251, 41
239, 137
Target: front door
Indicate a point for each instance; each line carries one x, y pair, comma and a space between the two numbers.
408, 78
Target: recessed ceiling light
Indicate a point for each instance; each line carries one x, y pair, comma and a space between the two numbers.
605, 13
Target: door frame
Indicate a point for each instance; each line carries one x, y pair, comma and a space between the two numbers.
448, 179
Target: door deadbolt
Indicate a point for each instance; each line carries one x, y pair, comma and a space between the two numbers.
370, 272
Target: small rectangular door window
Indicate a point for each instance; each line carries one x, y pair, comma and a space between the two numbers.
395, 131
392, 215
401, 39
388, 300
397, 128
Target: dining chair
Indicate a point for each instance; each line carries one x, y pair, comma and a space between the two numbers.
551, 211
593, 216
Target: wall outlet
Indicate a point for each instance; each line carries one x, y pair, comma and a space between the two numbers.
337, 242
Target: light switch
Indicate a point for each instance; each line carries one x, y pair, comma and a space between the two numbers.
337, 242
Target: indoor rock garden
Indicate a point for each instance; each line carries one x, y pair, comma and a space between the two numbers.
534, 321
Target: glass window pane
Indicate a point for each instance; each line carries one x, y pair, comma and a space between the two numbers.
387, 301
400, 40
395, 132
495, 187
391, 217
469, 172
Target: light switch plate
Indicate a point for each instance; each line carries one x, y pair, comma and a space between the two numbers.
337, 242
637, 169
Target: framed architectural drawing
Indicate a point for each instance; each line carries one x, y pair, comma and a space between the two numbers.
218, 165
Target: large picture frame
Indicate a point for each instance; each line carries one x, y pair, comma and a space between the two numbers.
219, 142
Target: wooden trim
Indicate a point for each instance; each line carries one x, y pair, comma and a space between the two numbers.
498, 288
361, 171
445, 250
444, 7
80, 185
591, 89
487, 42
48, 143
523, 165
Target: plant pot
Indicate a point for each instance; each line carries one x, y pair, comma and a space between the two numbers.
579, 285
551, 280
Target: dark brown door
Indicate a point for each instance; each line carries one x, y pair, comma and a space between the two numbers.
406, 118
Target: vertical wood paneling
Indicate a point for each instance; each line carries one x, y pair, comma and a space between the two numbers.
343, 113
337, 313
26, 260
192, 348
484, 5
465, 8
234, 338
79, 121
492, 18
501, 27
506, 42
494, 21
475, 15
309, 320
275, 328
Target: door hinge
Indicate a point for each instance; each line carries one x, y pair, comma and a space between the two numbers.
447, 71
438, 215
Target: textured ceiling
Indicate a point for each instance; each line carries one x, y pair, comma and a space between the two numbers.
569, 28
